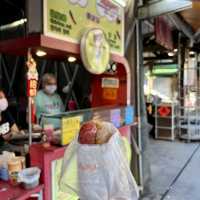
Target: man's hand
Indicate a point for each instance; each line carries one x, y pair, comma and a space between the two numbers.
7, 136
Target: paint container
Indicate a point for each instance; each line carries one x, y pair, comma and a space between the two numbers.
23, 161
14, 178
14, 165
4, 175
48, 131
30, 177
3, 170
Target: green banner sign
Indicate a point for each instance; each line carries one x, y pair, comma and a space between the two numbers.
167, 69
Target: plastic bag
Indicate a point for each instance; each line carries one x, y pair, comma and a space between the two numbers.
98, 172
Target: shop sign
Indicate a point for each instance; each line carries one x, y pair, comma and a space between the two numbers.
70, 127
110, 83
110, 94
95, 51
129, 115
115, 117
164, 111
32, 77
69, 19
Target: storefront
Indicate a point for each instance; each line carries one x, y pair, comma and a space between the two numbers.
88, 34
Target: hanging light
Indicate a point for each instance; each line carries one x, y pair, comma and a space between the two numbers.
40, 53
175, 50
71, 59
170, 54
191, 53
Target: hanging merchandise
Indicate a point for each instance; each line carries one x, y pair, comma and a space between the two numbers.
32, 82
33, 113
97, 168
32, 77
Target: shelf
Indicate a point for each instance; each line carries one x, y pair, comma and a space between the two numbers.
188, 107
190, 137
160, 117
190, 126
189, 117
166, 128
165, 138
186, 98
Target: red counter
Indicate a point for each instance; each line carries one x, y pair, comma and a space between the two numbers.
43, 158
8, 192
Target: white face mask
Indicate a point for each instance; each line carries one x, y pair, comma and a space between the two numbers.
50, 89
3, 104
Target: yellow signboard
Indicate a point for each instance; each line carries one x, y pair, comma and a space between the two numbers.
70, 19
70, 127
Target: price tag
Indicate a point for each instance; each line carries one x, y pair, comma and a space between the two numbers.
32, 88
70, 127
110, 93
115, 116
4, 128
129, 115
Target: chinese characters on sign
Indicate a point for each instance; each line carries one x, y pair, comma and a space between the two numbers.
68, 20
32, 77
70, 127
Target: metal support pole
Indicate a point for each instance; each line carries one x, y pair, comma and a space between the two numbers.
180, 114
0, 70
30, 119
13, 76
56, 69
44, 64
139, 55
156, 121
29, 107
67, 76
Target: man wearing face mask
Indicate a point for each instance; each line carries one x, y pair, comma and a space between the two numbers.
7, 124
48, 101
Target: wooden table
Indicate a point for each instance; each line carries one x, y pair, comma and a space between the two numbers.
9, 192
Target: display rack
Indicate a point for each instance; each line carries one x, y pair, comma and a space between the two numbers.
120, 116
189, 123
189, 101
166, 121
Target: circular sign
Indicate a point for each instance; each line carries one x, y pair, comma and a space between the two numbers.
95, 51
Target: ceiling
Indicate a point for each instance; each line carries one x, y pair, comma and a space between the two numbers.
11, 10
192, 16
